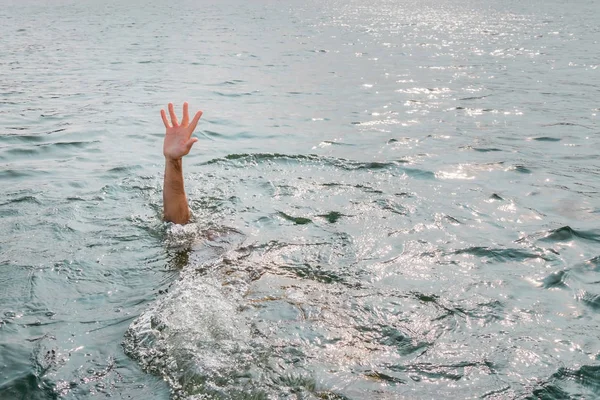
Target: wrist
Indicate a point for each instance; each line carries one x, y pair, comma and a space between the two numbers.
173, 160
174, 164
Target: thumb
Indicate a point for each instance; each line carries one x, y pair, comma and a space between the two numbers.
190, 143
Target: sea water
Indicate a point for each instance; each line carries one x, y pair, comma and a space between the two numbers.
392, 200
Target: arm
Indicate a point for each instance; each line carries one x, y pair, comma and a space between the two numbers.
178, 143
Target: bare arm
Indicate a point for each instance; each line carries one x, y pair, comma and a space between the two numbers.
178, 143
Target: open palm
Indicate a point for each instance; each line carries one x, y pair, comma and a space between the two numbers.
178, 138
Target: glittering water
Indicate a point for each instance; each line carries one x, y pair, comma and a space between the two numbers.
392, 200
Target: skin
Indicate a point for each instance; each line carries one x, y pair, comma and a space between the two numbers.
177, 144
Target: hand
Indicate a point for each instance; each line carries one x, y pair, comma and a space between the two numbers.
178, 138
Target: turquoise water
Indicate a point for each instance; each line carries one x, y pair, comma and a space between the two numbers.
392, 200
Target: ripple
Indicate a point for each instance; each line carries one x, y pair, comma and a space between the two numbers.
567, 233
316, 273
332, 217
566, 124
590, 299
295, 220
521, 169
242, 160
22, 199
501, 255
556, 280
569, 383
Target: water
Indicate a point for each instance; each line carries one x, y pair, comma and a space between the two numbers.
391, 200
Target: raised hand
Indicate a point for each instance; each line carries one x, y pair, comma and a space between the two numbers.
178, 138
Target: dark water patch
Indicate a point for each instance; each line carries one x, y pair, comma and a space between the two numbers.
546, 139
259, 157
587, 376
16, 138
384, 378
488, 311
28, 387
295, 220
521, 169
22, 199
419, 173
17, 174
549, 392
401, 341
486, 149
316, 273
425, 298
566, 124
123, 169
392, 206
495, 394
8, 213
44, 148
21, 152
500, 255
566, 233
555, 280
451, 220
231, 82
372, 165
79, 145
435, 300
590, 300
56, 130
213, 134
31, 138
570, 383
332, 217
144, 188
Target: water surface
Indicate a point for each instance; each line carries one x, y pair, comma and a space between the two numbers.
391, 200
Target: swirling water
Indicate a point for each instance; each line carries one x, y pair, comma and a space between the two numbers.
392, 200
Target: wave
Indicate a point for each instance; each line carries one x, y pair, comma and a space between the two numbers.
569, 383
562, 234
567, 233
499, 254
243, 159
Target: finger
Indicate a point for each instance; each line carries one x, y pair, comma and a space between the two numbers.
173, 116
195, 121
190, 143
163, 115
186, 115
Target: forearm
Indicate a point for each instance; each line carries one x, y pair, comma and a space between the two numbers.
175, 203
